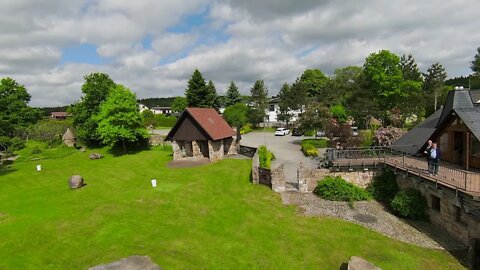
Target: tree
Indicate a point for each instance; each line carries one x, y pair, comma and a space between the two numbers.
233, 95
315, 117
259, 102
434, 86
298, 95
345, 83
15, 114
339, 113
383, 76
316, 82
475, 64
119, 118
410, 69
237, 116
96, 89
285, 103
179, 104
211, 98
198, 93
149, 118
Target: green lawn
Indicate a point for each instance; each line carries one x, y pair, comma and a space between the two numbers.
209, 217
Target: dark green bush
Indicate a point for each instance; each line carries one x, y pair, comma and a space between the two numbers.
165, 120
265, 157
409, 204
384, 187
337, 189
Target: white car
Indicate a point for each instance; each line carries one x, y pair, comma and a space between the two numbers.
282, 131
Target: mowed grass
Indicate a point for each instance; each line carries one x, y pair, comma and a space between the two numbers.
208, 217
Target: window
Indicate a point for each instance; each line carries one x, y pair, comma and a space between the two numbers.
435, 203
475, 146
272, 108
459, 217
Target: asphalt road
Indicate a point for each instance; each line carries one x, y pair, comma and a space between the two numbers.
286, 148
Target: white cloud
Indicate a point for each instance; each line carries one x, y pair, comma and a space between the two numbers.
274, 40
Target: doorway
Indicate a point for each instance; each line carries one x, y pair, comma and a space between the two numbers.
475, 253
458, 148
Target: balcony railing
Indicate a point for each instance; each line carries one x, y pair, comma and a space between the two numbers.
455, 178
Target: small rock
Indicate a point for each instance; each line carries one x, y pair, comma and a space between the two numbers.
76, 181
95, 156
357, 263
129, 263
82, 149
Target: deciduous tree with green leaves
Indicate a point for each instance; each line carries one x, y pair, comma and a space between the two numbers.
316, 83
179, 104
233, 95
15, 114
259, 102
285, 103
119, 118
236, 115
96, 89
315, 117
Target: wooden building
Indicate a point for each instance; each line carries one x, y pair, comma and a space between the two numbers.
455, 128
201, 133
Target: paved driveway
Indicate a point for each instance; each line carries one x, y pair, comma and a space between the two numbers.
286, 148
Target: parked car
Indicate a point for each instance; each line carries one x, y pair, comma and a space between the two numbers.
282, 131
297, 132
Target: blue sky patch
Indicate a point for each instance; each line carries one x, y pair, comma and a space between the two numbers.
82, 53
190, 22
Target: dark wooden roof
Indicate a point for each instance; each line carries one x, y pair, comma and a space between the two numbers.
459, 103
200, 124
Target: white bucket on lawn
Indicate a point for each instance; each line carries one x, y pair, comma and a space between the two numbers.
154, 182
39, 168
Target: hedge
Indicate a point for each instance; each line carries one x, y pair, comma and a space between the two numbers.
337, 189
265, 157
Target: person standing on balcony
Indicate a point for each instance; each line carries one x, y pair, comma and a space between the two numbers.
434, 159
427, 152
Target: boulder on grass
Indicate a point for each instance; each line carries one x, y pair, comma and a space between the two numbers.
95, 156
357, 263
76, 181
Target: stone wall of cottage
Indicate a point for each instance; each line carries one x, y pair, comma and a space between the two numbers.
215, 150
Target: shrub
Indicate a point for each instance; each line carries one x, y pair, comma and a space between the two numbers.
309, 150
337, 189
409, 204
50, 131
309, 133
11, 144
246, 129
164, 147
384, 187
265, 157
165, 120
318, 143
386, 136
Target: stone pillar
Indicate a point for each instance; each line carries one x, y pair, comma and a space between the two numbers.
255, 164
302, 179
177, 152
196, 151
215, 150
278, 179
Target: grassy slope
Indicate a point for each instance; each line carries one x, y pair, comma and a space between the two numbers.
206, 217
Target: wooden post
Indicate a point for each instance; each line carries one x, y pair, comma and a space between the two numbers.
467, 151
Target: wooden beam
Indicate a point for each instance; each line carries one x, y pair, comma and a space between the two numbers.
467, 151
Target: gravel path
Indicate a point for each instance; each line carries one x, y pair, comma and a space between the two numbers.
373, 216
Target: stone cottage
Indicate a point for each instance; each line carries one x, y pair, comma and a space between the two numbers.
201, 133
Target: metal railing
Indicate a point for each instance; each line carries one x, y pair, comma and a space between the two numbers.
456, 178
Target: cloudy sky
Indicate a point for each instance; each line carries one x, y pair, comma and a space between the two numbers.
153, 46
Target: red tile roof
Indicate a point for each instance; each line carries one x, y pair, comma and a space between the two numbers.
211, 122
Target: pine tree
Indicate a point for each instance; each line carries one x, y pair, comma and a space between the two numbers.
433, 86
285, 103
410, 69
259, 102
198, 93
233, 95
476, 63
